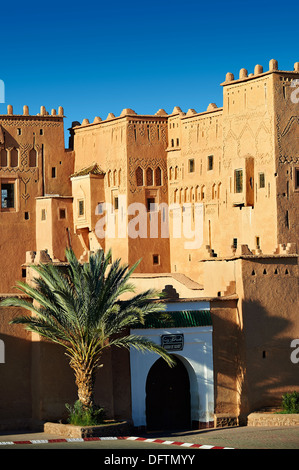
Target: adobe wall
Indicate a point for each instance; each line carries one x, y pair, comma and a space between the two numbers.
269, 314
228, 358
15, 372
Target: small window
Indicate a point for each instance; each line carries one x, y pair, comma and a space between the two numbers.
7, 195
26, 215
43, 214
53, 172
235, 242
191, 165
178, 142
116, 203
261, 180
41, 132
100, 208
172, 143
32, 158
257, 243
23, 272
3, 157
150, 204
238, 181
149, 177
14, 158
62, 213
19, 131
139, 176
296, 178
156, 259
210, 162
158, 176
81, 208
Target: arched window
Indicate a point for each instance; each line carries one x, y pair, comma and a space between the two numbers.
109, 178
176, 173
149, 177
32, 158
139, 176
158, 176
14, 158
3, 157
170, 173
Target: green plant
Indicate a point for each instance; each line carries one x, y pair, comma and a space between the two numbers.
290, 402
79, 415
80, 309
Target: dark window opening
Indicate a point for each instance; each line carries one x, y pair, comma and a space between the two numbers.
296, 178
235, 242
150, 202
116, 203
191, 165
62, 213
23, 272
7, 195
26, 215
262, 180
156, 259
81, 208
210, 162
53, 172
238, 181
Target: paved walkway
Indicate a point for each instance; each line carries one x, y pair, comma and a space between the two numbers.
237, 438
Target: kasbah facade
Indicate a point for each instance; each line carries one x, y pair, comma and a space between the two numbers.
233, 296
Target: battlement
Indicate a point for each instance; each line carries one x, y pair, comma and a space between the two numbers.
43, 112
258, 72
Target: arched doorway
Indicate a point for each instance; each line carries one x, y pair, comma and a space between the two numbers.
168, 397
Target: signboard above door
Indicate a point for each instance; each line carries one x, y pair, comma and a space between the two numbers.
173, 342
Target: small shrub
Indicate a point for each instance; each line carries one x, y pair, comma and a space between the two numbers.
80, 416
290, 402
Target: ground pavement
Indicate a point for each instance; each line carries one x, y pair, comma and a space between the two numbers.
238, 438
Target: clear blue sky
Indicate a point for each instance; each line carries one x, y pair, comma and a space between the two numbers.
97, 57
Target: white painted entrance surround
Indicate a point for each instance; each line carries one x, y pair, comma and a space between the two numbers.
197, 357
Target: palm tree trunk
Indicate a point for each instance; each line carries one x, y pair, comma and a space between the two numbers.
85, 379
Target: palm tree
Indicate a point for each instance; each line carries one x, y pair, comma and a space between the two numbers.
80, 309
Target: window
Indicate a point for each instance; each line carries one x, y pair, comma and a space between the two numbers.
158, 176
150, 204
81, 208
3, 157
43, 214
19, 131
296, 178
139, 176
7, 195
116, 203
257, 243
235, 242
156, 259
14, 158
32, 158
41, 132
53, 172
62, 213
210, 162
238, 181
178, 142
26, 215
261, 180
191, 165
149, 177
